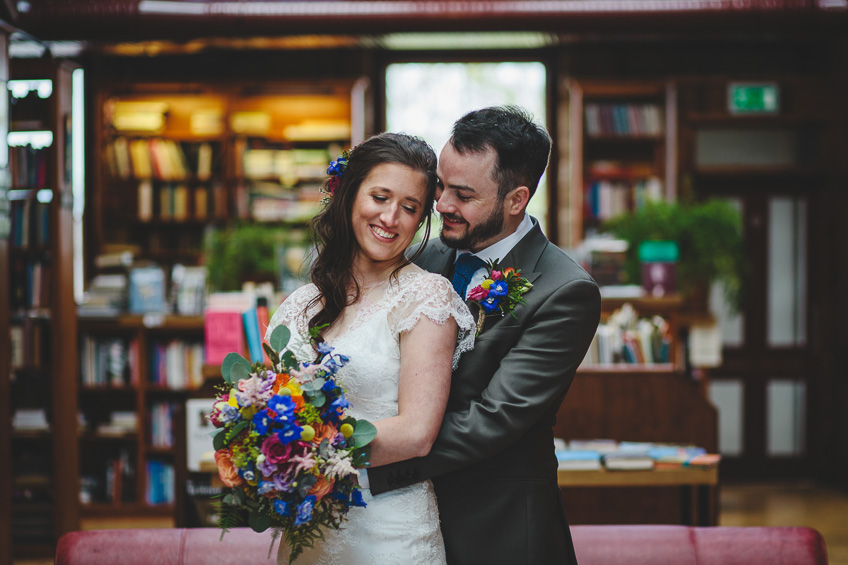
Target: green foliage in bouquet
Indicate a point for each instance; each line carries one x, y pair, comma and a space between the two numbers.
708, 234
285, 446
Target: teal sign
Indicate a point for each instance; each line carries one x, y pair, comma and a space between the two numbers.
761, 98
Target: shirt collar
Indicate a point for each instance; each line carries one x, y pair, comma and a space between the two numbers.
499, 249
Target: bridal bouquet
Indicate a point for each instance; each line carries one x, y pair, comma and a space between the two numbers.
284, 445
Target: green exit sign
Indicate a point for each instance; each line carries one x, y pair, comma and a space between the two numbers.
753, 98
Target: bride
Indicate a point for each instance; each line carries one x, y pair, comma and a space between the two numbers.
402, 327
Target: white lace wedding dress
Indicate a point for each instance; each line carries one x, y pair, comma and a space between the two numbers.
400, 526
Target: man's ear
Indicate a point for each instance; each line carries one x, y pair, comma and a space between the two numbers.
516, 200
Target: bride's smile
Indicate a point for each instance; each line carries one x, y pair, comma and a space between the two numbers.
386, 214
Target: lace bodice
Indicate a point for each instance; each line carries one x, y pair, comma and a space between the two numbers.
370, 335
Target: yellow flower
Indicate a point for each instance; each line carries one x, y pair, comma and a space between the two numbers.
487, 283
294, 387
248, 412
233, 401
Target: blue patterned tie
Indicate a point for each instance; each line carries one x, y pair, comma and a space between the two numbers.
464, 268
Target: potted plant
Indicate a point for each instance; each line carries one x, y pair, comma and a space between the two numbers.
709, 236
249, 252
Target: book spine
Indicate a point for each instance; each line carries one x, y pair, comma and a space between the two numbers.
251, 330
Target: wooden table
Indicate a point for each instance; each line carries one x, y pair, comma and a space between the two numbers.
698, 487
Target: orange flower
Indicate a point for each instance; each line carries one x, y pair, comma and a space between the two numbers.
282, 380
325, 431
322, 488
298, 402
508, 271
226, 470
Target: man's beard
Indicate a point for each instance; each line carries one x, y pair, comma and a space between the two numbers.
492, 226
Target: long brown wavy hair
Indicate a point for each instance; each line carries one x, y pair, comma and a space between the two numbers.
332, 270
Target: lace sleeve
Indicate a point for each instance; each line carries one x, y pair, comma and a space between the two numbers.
292, 312
432, 295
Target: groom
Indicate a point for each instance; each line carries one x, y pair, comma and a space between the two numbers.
493, 464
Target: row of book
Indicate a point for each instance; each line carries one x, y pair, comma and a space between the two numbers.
161, 159
269, 202
288, 166
27, 340
145, 289
592, 455
159, 488
30, 283
28, 166
179, 202
236, 322
114, 481
162, 424
30, 224
623, 120
177, 364
605, 199
108, 361
627, 339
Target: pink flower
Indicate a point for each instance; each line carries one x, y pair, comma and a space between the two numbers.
333, 184
274, 450
496, 276
477, 293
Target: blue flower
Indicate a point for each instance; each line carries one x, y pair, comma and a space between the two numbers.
356, 499
289, 434
282, 507
265, 487
490, 304
229, 414
261, 421
328, 386
283, 406
325, 348
338, 166
498, 289
304, 510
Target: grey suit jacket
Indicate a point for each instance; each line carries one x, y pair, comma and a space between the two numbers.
493, 463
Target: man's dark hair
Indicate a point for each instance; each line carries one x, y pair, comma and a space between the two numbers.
522, 146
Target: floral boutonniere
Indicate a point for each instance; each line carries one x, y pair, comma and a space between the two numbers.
501, 292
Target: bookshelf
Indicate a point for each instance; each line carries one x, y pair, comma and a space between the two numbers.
622, 149
175, 160
38, 298
137, 372
5, 310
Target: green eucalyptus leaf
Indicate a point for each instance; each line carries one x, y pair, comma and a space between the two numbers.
230, 499
280, 338
317, 399
289, 361
364, 433
231, 361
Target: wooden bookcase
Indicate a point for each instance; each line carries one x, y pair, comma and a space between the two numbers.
37, 295
175, 159
622, 150
137, 366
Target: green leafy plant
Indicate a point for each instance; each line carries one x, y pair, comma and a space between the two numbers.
247, 251
708, 234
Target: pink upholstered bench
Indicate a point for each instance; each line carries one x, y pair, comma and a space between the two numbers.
595, 545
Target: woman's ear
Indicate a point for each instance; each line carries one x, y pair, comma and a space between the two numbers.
516, 200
